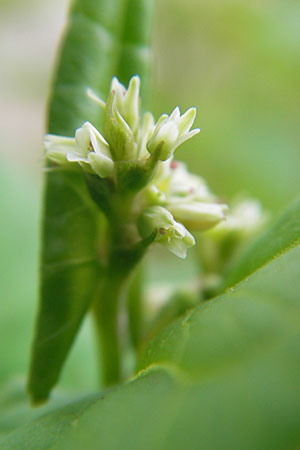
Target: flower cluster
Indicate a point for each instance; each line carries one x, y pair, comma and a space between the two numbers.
125, 136
186, 197
173, 201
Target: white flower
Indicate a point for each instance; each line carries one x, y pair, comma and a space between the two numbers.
173, 235
132, 137
173, 181
171, 131
89, 149
186, 196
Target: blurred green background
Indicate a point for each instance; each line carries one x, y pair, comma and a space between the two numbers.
237, 61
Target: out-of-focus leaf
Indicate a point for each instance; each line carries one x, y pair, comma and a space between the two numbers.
282, 234
15, 410
226, 376
18, 278
135, 55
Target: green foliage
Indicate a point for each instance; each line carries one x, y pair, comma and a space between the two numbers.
225, 376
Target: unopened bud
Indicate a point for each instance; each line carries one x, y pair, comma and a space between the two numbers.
198, 216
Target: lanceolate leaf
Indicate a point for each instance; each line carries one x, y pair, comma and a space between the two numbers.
135, 55
284, 233
68, 275
91, 54
224, 377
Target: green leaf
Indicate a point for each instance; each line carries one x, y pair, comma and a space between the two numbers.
93, 48
87, 59
284, 233
135, 55
15, 410
68, 276
224, 377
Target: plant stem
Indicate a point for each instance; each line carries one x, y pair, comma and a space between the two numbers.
123, 253
106, 319
135, 307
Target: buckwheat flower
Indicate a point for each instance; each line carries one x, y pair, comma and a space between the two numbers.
173, 181
173, 235
184, 184
88, 148
186, 196
171, 131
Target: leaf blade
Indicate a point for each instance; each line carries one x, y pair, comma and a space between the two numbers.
189, 394
68, 274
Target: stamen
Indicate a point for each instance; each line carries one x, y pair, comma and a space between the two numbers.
91, 94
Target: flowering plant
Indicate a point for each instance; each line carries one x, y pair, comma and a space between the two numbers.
202, 354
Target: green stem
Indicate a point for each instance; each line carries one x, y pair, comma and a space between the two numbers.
135, 307
125, 250
106, 319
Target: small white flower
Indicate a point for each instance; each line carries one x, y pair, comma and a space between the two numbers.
171, 131
186, 196
89, 149
173, 235
184, 184
173, 181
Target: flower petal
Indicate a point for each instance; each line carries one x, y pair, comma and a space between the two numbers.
101, 164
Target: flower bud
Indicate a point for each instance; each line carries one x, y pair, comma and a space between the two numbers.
127, 101
171, 131
57, 147
198, 216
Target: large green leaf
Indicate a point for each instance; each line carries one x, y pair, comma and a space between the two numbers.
92, 52
284, 233
224, 377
